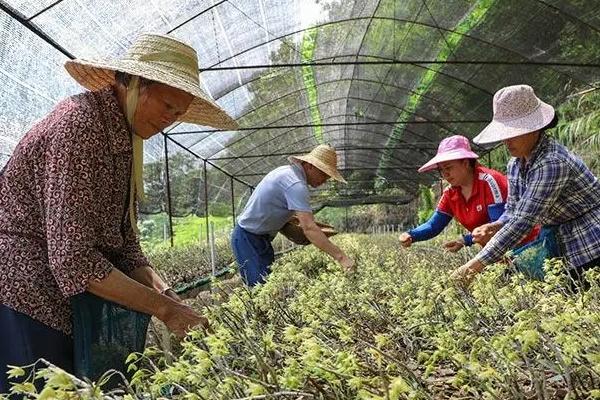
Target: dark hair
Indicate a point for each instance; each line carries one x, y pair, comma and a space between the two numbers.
472, 162
124, 78
552, 123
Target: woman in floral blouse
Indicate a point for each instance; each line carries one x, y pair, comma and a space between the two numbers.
67, 200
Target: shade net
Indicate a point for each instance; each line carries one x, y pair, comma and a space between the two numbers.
381, 80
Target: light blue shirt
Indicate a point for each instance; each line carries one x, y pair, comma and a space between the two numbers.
280, 193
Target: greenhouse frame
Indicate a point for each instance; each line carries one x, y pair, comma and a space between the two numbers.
380, 80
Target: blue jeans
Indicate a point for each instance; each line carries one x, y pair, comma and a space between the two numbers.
24, 340
254, 255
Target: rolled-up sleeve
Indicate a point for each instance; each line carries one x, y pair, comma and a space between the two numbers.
544, 184
70, 172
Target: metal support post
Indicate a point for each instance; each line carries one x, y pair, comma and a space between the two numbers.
232, 201
206, 203
169, 211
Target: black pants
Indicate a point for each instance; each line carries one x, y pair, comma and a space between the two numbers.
577, 280
24, 340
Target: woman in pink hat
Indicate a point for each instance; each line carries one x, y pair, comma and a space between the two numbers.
476, 195
549, 185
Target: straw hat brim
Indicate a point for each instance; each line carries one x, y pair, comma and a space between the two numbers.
497, 131
329, 170
447, 156
97, 75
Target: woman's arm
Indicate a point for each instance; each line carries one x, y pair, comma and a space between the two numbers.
147, 276
431, 228
119, 288
545, 183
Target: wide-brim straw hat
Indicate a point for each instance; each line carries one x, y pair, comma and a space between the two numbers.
324, 158
455, 147
161, 59
517, 111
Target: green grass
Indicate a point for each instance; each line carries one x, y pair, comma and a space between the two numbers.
186, 230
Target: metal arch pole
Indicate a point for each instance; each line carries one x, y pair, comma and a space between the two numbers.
332, 124
206, 203
169, 210
207, 161
34, 29
416, 62
232, 200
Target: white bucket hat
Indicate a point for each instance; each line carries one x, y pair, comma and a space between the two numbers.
517, 111
161, 59
324, 158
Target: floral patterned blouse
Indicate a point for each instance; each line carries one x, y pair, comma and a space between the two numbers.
63, 205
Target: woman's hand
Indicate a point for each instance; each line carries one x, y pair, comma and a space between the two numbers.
454, 245
405, 239
465, 274
482, 234
348, 264
181, 318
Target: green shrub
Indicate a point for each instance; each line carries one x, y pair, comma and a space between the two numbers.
397, 329
184, 264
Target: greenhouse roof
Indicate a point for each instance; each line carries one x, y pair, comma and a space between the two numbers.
381, 80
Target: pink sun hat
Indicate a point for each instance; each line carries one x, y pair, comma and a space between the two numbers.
455, 147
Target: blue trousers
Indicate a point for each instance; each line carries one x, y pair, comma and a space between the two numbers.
24, 340
254, 255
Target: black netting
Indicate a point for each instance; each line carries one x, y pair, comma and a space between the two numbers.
381, 80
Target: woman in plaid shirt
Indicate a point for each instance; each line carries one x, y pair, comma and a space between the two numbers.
548, 185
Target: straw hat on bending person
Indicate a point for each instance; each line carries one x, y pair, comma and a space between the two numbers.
157, 80
160, 59
321, 160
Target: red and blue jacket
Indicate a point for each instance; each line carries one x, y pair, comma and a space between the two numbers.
485, 205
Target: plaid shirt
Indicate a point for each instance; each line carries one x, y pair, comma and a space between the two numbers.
553, 188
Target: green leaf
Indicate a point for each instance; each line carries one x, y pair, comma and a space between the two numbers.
47, 393
131, 358
15, 372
